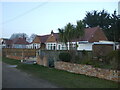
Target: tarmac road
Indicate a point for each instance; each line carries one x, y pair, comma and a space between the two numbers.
14, 78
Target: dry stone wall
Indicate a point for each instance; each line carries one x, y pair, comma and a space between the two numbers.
113, 75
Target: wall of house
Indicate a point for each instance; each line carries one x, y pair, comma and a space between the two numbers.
58, 46
34, 45
51, 45
88, 70
62, 46
87, 46
19, 46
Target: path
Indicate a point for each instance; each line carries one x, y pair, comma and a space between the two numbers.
14, 78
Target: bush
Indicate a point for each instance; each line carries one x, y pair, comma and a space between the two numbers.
114, 59
84, 52
65, 56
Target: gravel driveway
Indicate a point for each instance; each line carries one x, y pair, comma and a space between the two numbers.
14, 78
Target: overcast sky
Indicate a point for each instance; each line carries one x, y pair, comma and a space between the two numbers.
42, 17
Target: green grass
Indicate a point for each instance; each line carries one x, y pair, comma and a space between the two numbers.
62, 78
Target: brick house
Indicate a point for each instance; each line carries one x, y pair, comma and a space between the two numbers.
19, 43
14, 43
51, 41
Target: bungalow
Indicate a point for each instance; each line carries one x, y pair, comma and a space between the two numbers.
19, 43
14, 43
51, 41
38, 42
5, 43
91, 35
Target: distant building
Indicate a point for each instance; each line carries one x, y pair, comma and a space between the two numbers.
13, 43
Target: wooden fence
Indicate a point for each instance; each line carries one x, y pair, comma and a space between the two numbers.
19, 52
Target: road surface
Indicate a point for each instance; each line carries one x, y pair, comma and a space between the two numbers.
14, 78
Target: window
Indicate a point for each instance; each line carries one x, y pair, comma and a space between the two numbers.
54, 47
59, 47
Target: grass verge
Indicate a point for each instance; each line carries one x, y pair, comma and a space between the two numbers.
62, 78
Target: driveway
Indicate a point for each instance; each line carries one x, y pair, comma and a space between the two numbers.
14, 78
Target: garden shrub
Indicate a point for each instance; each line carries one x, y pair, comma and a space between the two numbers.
84, 52
65, 56
113, 58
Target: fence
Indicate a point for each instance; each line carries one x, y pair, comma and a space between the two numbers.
102, 50
18, 52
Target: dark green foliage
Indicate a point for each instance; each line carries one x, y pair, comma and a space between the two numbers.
84, 52
113, 58
109, 23
70, 32
65, 56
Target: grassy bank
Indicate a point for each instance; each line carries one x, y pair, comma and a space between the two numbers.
62, 78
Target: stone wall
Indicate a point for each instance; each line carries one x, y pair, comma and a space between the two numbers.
42, 61
89, 70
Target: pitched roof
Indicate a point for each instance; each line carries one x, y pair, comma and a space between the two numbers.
8, 42
19, 41
89, 33
43, 38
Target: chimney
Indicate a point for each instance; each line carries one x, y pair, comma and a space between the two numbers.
52, 32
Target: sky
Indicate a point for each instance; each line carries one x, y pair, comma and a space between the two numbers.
43, 16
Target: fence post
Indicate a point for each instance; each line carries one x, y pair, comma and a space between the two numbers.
22, 54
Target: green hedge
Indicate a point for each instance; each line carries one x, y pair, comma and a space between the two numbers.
65, 56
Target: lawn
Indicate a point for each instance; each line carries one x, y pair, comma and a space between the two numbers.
62, 78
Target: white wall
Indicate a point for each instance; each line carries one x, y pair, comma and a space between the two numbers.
34, 45
51, 45
18, 46
87, 46
61, 46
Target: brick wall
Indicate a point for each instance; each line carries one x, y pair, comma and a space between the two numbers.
89, 70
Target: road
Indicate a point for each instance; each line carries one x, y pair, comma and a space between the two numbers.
14, 78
